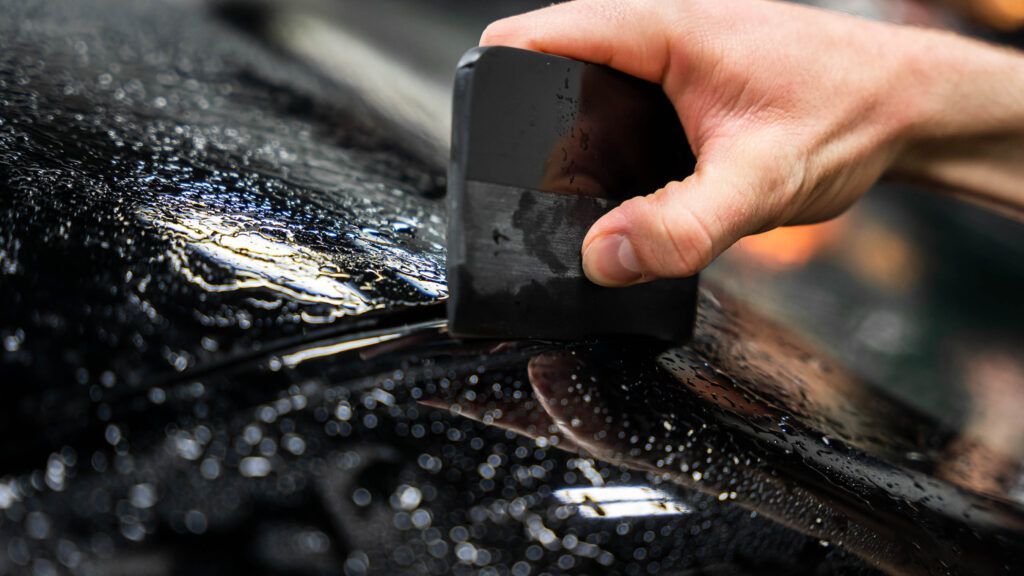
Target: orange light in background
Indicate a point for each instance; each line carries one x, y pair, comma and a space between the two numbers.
1000, 14
874, 253
1004, 14
882, 257
790, 247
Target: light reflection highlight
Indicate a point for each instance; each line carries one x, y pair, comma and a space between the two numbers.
293, 359
620, 501
256, 260
296, 358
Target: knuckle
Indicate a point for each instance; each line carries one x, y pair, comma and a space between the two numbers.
692, 243
786, 194
687, 244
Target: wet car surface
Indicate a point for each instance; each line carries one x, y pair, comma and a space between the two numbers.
223, 352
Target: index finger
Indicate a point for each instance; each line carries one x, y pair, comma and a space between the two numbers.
628, 36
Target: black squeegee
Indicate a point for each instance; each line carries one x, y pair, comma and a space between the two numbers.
542, 146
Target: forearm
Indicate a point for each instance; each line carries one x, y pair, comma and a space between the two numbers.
969, 137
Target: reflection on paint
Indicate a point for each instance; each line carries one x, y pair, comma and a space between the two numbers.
258, 255
294, 359
321, 350
405, 265
261, 262
620, 501
260, 251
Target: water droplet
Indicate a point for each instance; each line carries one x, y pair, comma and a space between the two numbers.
142, 495
254, 467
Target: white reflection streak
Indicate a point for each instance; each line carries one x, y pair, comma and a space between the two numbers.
257, 261
295, 358
428, 287
620, 501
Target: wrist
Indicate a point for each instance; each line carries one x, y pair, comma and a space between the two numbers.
964, 127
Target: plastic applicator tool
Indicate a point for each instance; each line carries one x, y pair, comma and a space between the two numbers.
542, 146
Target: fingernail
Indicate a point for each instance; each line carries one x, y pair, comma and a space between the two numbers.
611, 261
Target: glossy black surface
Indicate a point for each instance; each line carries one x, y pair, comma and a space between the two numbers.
167, 207
542, 146
190, 384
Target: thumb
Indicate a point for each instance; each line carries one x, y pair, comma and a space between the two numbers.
675, 232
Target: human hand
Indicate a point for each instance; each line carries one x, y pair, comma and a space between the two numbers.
792, 112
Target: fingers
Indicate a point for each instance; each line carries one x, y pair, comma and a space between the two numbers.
677, 231
629, 36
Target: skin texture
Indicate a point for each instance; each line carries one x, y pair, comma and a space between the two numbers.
793, 113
